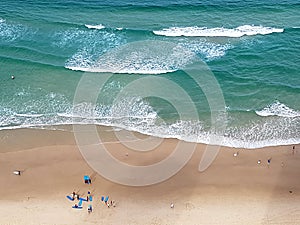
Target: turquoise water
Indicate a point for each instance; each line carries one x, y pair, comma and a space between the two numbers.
251, 47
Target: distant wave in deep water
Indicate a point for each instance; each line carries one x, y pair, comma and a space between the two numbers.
218, 31
251, 47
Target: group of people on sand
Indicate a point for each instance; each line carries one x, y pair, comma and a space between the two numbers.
75, 196
107, 202
269, 159
89, 198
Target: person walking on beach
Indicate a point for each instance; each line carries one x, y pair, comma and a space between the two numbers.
90, 209
293, 151
269, 162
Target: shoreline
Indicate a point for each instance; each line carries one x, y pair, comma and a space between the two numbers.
233, 190
69, 128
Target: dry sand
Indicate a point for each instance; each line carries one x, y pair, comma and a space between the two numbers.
233, 190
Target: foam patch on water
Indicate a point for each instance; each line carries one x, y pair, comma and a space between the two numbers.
208, 50
10, 32
271, 131
149, 59
97, 27
145, 57
91, 44
278, 109
195, 31
91, 39
135, 114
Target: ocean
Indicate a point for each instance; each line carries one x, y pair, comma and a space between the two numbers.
129, 64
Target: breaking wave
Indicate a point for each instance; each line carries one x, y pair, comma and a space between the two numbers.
217, 32
278, 109
147, 57
97, 27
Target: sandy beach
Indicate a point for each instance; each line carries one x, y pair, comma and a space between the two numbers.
233, 190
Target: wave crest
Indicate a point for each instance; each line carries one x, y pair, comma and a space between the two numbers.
145, 57
97, 27
278, 109
217, 32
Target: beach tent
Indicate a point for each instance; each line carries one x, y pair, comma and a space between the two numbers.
87, 179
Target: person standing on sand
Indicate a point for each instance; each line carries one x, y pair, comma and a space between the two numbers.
293, 151
269, 162
90, 209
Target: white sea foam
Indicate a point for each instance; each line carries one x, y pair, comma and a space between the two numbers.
218, 31
208, 50
278, 109
10, 32
88, 40
97, 27
269, 133
147, 57
136, 114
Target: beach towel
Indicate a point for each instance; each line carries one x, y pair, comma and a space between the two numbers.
83, 199
106, 199
79, 206
102, 198
70, 198
91, 198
